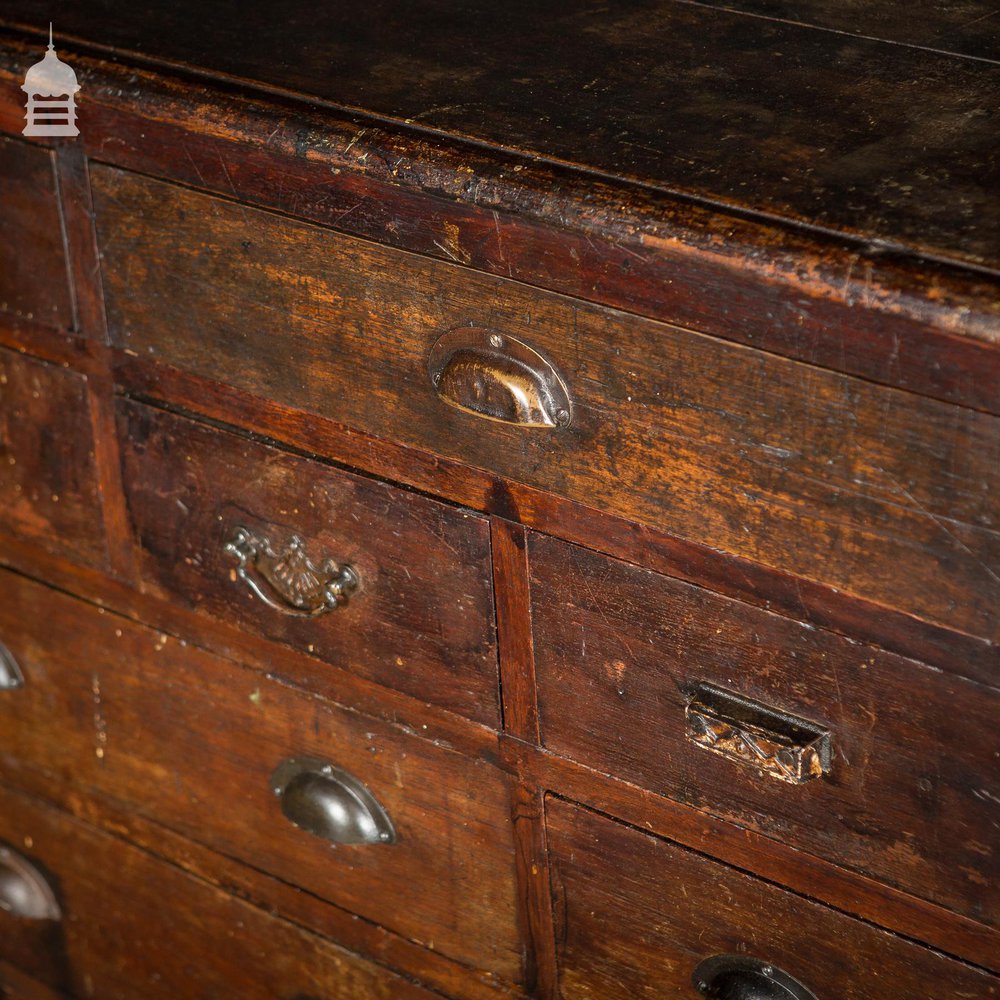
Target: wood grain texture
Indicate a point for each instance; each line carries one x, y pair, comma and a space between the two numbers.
48, 480
422, 617
849, 133
134, 927
881, 494
635, 915
34, 281
911, 798
190, 740
847, 305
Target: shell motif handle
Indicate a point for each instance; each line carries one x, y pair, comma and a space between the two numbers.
780, 745
737, 977
10, 673
286, 579
330, 803
24, 891
498, 377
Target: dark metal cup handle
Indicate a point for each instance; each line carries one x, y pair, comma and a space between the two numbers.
330, 803
286, 579
10, 673
736, 977
24, 891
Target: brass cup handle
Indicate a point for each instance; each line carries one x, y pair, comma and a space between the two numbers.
10, 673
24, 891
286, 579
498, 377
330, 803
737, 977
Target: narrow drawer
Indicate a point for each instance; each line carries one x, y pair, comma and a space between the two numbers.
243, 532
48, 479
875, 491
34, 280
197, 743
637, 917
124, 925
894, 772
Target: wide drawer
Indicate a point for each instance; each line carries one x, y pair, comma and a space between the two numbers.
243, 532
34, 280
637, 916
49, 489
122, 925
889, 767
195, 742
875, 491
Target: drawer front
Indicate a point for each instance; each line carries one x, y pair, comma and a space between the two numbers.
636, 916
635, 676
194, 742
34, 280
48, 479
129, 926
419, 616
875, 491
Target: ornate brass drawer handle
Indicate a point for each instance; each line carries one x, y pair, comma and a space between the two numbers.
781, 745
24, 890
10, 673
498, 377
287, 580
736, 977
330, 803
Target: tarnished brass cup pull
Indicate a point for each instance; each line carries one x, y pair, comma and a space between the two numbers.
24, 891
498, 377
781, 745
10, 673
329, 803
287, 580
735, 977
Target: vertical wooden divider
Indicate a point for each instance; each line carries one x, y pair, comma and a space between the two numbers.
76, 207
520, 722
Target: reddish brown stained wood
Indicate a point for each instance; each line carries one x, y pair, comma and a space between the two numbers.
34, 283
16, 985
56, 347
190, 740
579, 236
134, 927
580, 523
48, 478
81, 243
908, 799
636, 915
421, 619
885, 495
744, 848
534, 892
517, 669
271, 894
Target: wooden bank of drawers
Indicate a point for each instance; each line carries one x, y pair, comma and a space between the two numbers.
124, 926
637, 917
418, 608
196, 742
894, 772
883, 494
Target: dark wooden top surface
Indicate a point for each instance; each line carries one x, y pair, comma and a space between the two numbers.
867, 117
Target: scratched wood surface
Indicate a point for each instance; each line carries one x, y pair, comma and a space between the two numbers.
911, 797
34, 281
134, 928
190, 740
635, 915
885, 495
49, 489
830, 128
421, 619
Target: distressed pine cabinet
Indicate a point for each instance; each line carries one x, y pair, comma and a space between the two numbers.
501, 501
